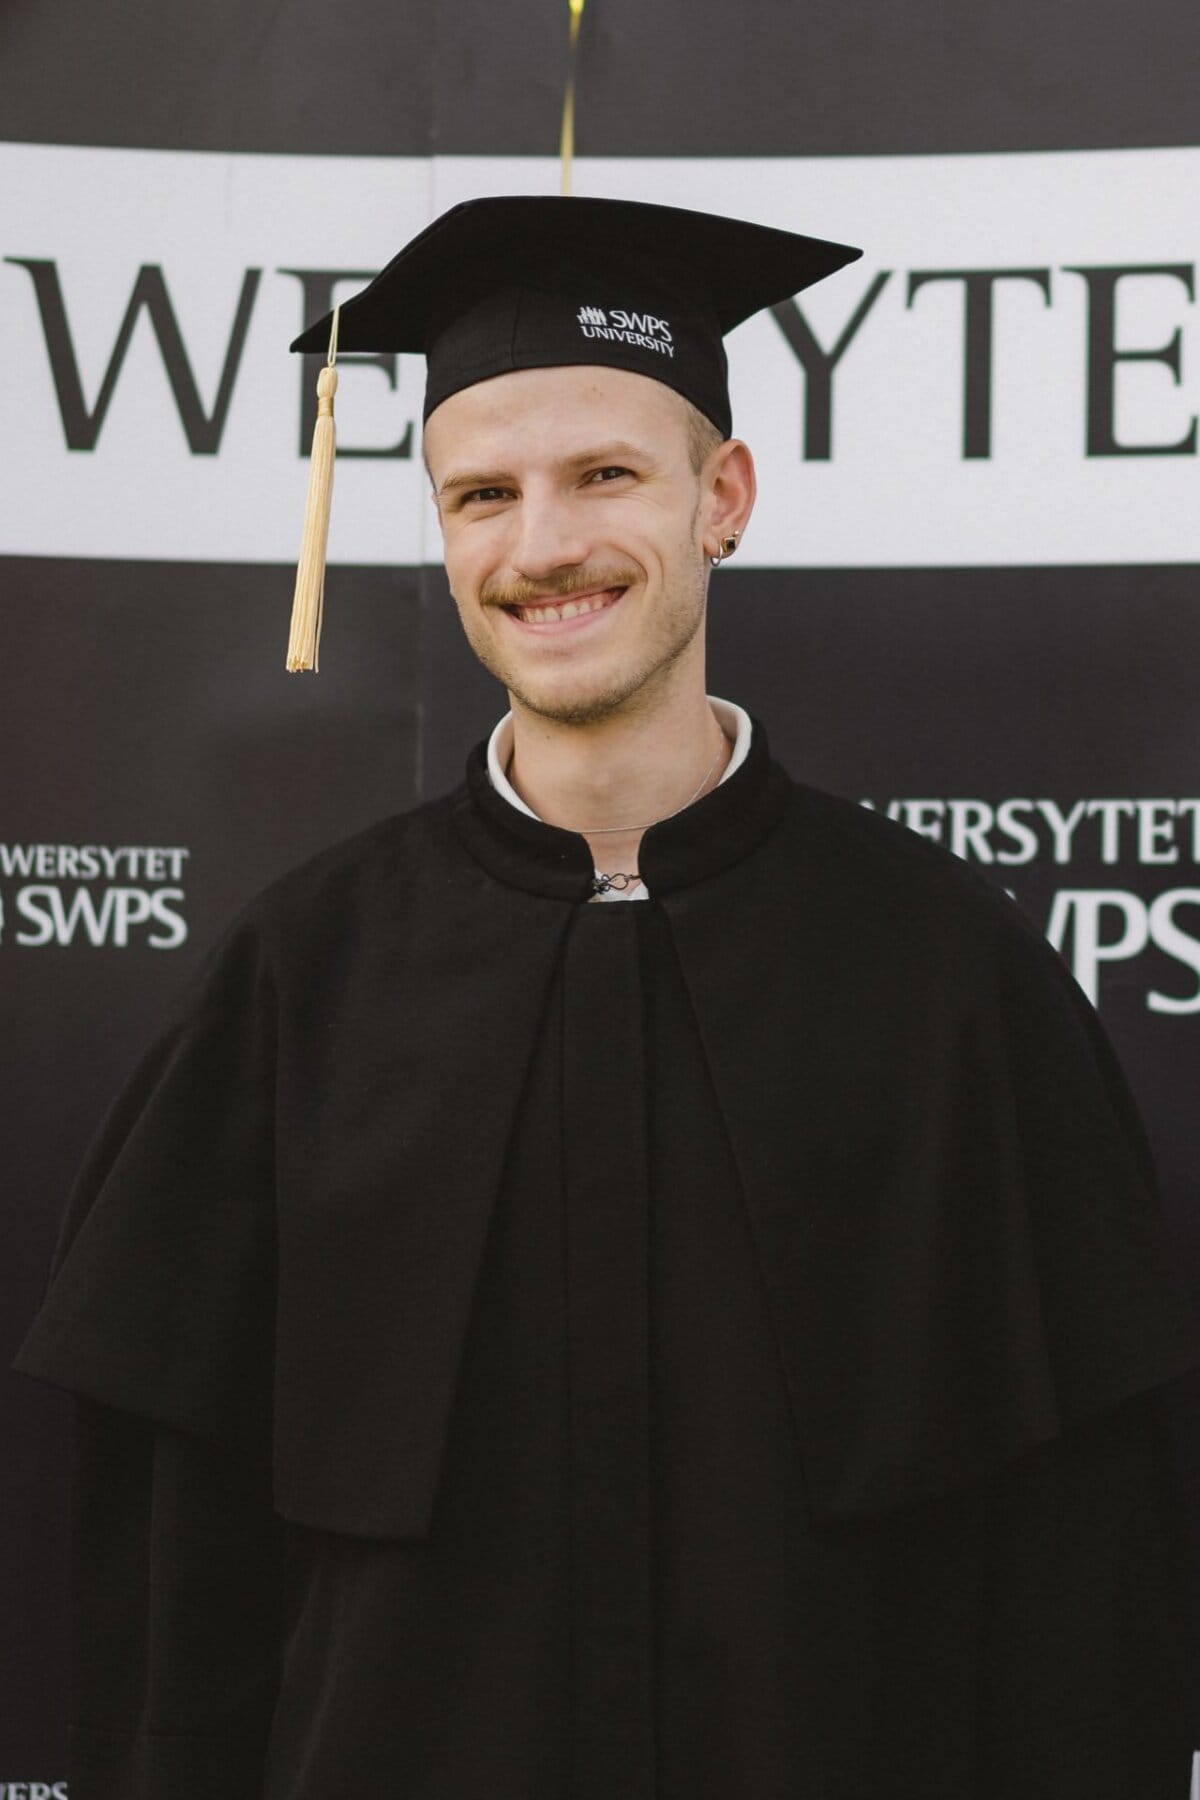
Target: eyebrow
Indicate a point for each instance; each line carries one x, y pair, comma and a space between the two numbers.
614, 451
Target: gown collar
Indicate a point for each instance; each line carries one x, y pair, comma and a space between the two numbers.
706, 837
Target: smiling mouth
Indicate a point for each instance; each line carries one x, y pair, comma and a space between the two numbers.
571, 606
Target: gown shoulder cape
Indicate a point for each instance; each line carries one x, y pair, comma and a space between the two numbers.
278, 1233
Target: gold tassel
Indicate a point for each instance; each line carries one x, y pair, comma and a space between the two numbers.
308, 599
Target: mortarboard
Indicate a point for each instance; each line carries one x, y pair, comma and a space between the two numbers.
524, 282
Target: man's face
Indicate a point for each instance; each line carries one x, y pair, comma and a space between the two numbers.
572, 484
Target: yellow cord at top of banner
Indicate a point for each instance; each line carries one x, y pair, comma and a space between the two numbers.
566, 137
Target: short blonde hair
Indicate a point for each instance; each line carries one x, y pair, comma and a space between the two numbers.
703, 436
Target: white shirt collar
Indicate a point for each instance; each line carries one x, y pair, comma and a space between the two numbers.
733, 720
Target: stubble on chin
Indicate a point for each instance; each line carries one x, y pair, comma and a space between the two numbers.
587, 701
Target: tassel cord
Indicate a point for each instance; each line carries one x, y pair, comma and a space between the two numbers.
308, 600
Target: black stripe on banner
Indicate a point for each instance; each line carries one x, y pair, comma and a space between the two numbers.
676, 78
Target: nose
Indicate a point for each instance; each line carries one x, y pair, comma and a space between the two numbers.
548, 535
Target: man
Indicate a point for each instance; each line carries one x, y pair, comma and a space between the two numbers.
534, 1346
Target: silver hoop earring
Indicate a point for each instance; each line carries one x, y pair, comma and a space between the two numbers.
728, 546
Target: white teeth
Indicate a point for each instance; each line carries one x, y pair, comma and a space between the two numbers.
566, 609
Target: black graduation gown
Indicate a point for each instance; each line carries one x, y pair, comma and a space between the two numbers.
705, 1348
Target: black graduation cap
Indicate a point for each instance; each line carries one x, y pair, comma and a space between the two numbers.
525, 282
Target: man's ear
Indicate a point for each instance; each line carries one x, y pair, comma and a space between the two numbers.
731, 490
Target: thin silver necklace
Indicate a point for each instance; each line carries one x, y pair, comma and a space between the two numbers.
622, 879
601, 830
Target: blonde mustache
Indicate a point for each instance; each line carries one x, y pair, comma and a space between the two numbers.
558, 586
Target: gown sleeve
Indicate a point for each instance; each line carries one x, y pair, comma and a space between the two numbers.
176, 1583
1086, 1623
158, 1317
1036, 1630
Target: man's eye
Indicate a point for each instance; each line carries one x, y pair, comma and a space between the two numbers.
607, 474
486, 494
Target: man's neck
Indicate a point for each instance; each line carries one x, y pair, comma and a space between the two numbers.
623, 773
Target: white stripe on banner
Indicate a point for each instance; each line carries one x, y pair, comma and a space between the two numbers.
1008, 376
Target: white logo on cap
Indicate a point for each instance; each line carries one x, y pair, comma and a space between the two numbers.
645, 330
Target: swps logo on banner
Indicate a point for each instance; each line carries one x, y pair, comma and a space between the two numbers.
1093, 924
33, 1790
92, 894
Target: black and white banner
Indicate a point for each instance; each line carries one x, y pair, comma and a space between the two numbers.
1010, 375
